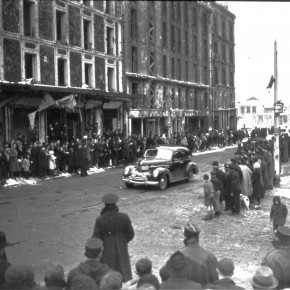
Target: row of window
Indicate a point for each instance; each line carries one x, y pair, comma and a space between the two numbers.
61, 26
223, 30
247, 109
31, 69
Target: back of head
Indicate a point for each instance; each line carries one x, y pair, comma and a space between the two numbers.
147, 286
54, 275
191, 230
143, 266
205, 177
226, 267
82, 281
19, 276
148, 279
111, 281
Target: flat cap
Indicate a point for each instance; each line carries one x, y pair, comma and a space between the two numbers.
110, 198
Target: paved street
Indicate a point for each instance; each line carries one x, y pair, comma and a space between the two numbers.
54, 219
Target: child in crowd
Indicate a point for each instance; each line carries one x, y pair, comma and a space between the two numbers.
209, 190
278, 213
26, 166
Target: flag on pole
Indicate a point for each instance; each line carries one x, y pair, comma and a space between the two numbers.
31, 117
271, 82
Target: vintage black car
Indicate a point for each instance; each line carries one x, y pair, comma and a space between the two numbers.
160, 167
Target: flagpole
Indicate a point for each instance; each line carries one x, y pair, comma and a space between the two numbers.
276, 118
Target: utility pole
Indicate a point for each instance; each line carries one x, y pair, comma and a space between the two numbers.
276, 118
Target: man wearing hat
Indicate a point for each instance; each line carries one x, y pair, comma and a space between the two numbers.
203, 263
178, 267
92, 266
225, 270
116, 231
264, 279
279, 259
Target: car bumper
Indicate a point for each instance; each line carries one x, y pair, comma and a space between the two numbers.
143, 181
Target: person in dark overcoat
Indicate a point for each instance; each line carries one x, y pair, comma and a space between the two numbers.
83, 159
235, 189
257, 185
116, 231
203, 264
178, 267
34, 159
42, 166
4, 166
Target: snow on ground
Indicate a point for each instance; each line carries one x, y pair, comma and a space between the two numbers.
35, 181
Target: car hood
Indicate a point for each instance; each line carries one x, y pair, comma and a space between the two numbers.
154, 162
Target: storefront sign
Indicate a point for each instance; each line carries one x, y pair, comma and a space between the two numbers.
134, 114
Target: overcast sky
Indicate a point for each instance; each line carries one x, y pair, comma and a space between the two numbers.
257, 25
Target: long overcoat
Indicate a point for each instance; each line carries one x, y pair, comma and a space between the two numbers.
116, 231
257, 185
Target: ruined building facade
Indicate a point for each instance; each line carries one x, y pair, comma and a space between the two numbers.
52, 49
180, 54
143, 67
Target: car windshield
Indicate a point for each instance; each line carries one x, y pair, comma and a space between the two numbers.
160, 153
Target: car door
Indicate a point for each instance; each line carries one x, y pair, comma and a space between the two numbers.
177, 168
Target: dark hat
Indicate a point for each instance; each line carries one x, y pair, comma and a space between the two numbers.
264, 278
18, 275
177, 264
110, 198
54, 273
283, 233
226, 267
215, 163
191, 230
93, 247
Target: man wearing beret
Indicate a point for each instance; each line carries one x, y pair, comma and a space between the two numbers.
92, 266
203, 266
116, 231
279, 259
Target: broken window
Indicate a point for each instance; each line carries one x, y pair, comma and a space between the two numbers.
151, 21
60, 27
88, 74
29, 18
133, 23
62, 71
111, 79
30, 66
87, 26
173, 98
164, 34
110, 40
86, 2
172, 39
164, 66
152, 63
173, 68
134, 60
152, 96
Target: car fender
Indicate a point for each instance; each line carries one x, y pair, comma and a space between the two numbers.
163, 170
130, 169
192, 166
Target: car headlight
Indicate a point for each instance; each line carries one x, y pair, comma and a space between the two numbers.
126, 170
155, 173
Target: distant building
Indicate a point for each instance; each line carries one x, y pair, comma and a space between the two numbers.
168, 53
252, 113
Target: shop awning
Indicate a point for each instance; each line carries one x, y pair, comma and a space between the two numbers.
6, 101
89, 93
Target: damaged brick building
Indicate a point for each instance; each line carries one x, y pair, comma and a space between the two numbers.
56, 48
143, 67
180, 54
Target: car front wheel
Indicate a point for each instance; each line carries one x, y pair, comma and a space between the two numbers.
163, 182
190, 175
129, 185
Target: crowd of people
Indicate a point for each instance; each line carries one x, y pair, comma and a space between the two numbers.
20, 158
245, 178
107, 262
